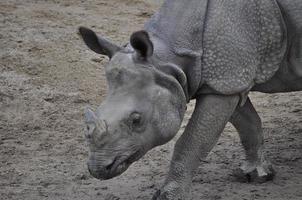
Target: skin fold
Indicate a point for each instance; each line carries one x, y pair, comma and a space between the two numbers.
214, 51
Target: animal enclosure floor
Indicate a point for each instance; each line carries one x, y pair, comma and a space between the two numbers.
48, 76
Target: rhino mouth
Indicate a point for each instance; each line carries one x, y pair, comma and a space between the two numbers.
121, 164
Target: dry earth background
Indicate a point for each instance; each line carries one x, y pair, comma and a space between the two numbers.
47, 77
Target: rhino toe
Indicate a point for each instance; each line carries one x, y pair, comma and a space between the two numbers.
259, 174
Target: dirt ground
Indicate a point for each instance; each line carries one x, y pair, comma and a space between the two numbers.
48, 76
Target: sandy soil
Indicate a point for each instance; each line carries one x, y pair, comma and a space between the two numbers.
47, 77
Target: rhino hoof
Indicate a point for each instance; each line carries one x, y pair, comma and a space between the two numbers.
171, 191
156, 195
159, 195
259, 174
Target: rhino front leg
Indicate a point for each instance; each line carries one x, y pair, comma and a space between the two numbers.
248, 123
208, 120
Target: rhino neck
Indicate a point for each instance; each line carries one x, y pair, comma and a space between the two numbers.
188, 62
177, 31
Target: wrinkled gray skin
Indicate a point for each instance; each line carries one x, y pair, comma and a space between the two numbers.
214, 51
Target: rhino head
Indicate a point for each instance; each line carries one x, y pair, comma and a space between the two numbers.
144, 106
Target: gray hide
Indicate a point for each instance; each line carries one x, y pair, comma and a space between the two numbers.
204, 42
215, 51
288, 77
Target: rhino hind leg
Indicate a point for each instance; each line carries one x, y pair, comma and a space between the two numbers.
248, 124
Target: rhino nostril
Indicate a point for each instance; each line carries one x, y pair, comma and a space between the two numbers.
89, 170
109, 167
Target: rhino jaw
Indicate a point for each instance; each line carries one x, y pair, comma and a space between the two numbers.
115, 168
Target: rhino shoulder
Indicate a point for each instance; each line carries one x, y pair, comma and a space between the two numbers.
244, 44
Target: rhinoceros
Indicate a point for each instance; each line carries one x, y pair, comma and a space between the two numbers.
214, 51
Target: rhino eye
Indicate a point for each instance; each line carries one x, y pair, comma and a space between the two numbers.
135, 120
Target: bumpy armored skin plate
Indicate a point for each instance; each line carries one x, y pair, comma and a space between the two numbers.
244, 44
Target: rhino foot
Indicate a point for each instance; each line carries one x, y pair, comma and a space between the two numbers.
171, 191
255, 173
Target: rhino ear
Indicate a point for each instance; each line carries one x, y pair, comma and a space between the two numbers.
142, 44
97, 43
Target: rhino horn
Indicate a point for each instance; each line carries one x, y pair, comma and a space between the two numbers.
92, 121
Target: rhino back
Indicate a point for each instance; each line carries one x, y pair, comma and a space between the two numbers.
180, 24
